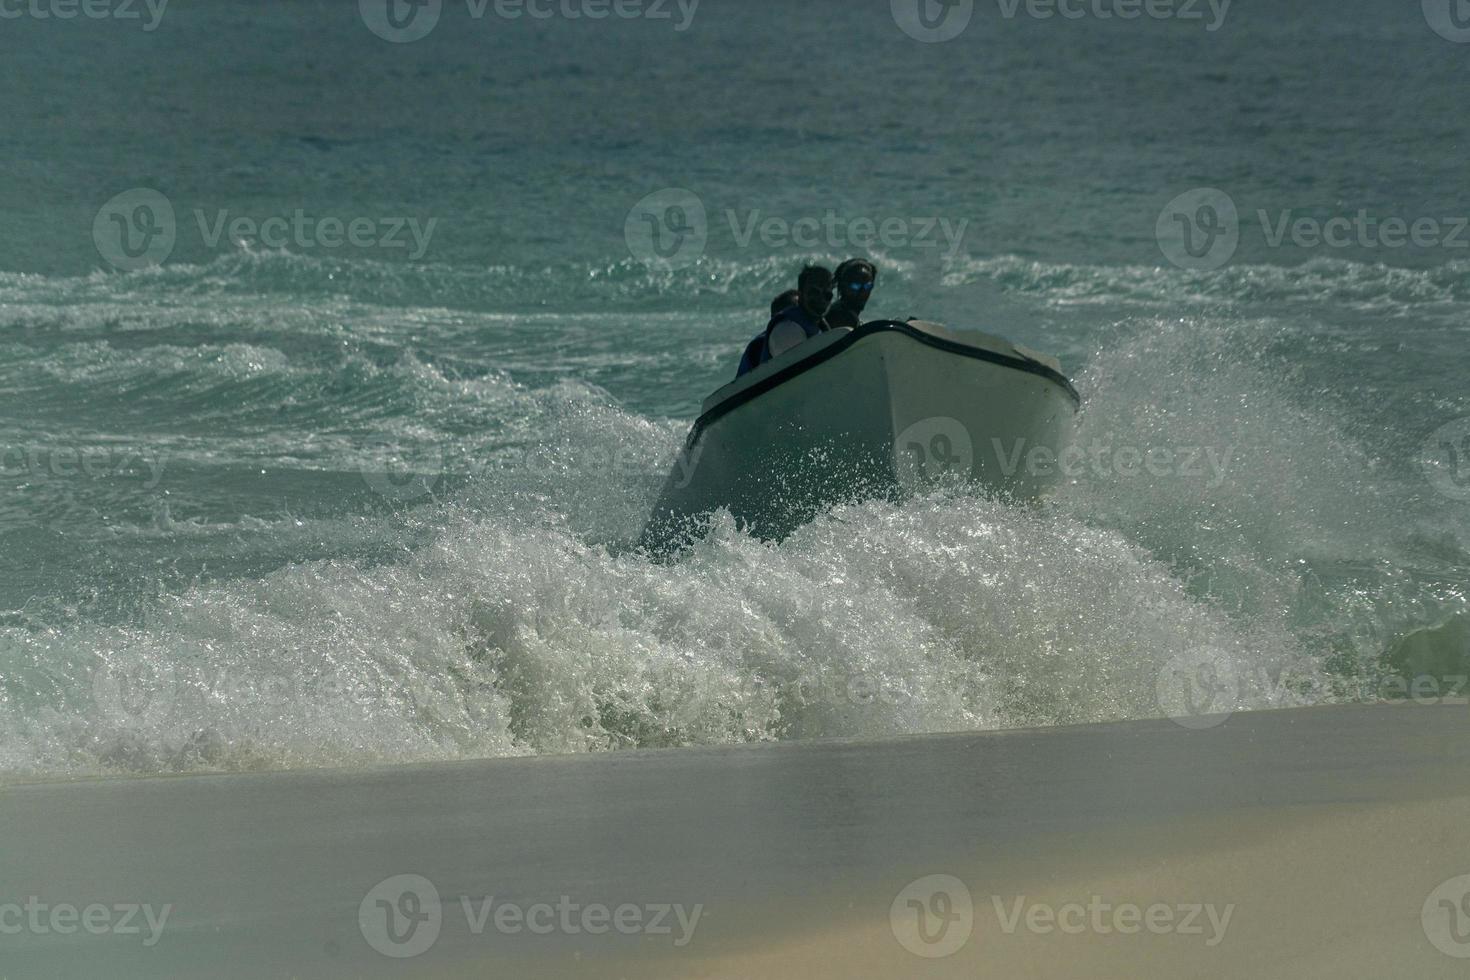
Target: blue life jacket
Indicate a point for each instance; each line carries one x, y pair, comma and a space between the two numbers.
758, 351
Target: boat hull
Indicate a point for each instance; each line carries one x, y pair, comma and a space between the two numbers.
889, 409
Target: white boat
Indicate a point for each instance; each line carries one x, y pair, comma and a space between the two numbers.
887, 409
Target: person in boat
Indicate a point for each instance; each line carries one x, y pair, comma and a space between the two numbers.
800, 321
786, 299
751, 357
855, 281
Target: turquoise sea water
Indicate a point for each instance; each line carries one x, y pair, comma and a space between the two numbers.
270, 497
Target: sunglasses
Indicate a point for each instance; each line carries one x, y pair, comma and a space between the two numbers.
858, 287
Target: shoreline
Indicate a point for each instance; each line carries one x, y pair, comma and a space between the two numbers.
1341, 818
26, 780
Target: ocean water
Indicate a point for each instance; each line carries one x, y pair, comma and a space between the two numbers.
272, 499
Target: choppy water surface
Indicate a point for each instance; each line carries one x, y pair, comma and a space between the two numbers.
266, 505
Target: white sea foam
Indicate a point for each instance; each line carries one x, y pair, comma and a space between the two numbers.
502, 609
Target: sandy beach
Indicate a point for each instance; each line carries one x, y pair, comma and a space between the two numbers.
1298, 843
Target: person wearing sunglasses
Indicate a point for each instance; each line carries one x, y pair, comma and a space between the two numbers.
855, 281
794, 324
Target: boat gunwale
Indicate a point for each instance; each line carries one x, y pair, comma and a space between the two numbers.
1019, 363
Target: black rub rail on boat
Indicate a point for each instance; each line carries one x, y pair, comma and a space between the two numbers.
1019, 362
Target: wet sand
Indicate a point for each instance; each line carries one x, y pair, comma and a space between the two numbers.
1302, 843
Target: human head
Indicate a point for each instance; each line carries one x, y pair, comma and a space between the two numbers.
815, 288
855, 281
785, 301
